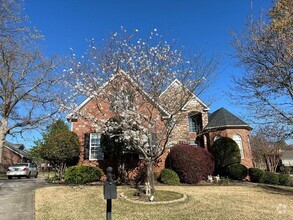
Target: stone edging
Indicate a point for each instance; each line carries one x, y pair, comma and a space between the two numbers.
184, 198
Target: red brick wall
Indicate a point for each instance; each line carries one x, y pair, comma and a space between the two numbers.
100, 115
9, 157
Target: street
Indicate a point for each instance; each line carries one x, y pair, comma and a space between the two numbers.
17, 198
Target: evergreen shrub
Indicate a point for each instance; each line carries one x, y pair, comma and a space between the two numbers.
169, 177
237, 171
226, 152
270, 178
256, 174
82, 174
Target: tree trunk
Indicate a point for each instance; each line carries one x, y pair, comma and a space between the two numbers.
150, 175
3, 132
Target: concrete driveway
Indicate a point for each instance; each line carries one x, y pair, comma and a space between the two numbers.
17, 198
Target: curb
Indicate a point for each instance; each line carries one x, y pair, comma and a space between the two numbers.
184, 198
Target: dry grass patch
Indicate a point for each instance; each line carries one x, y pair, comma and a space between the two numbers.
204, 202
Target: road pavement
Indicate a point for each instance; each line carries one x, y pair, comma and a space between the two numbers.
17, 198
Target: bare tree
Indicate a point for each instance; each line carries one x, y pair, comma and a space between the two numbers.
141, 69
26, 77
265, 52
267, 146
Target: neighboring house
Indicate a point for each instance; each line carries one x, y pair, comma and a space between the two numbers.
14, 153
194, 126
287, 158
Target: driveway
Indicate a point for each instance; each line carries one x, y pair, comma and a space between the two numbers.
17, 198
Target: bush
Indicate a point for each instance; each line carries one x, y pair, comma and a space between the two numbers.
284, 179
256, 175
270, 178
82, 174
237, 171
226, 152
169, 177
192, 164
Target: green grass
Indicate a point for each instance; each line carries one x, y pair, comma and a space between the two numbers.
204, 202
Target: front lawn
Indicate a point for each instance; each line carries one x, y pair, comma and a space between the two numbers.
204, 202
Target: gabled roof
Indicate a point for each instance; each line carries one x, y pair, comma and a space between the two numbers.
127, 77
176, 83
287, 155
16, 148
222, 118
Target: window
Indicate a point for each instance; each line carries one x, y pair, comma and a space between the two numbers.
217, 137
237, 138
96, 152
195, 122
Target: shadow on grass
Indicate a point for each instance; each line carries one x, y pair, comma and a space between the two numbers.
278, 189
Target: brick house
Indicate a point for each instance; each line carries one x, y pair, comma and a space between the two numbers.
14, 153
194, 125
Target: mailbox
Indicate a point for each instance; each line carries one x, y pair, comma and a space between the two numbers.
110, 190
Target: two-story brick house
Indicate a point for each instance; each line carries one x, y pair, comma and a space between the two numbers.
193, 126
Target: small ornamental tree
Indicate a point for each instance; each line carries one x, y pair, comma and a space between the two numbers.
226, 152
192, 164
144, 66
60, 149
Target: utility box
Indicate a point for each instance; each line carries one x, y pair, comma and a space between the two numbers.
110, 190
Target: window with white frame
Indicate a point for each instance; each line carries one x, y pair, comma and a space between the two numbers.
237, 138
95, 151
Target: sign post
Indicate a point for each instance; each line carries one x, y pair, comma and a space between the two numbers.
110, 192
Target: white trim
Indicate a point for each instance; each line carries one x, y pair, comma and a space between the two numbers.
206, 108
14, 151
239, 142
90, 145
175, 81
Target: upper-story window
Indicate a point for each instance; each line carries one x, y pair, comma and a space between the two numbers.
237, 138
195, 122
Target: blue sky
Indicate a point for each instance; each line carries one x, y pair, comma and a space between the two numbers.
197, 24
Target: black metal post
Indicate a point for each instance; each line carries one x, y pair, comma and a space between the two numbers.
109, 209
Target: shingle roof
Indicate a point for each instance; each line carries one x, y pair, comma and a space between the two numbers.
287, 154
17, 148
222, 118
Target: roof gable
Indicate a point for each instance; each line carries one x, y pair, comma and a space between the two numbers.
130, 80
16, 148
175, 84
222, 118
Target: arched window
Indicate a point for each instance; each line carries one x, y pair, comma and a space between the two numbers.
217, 137
237, 138
195, 122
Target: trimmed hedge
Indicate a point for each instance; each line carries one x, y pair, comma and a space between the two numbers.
284, 179
169, 177
226, 152
237, 171
82, 174
270, 178
256, 174
192, 164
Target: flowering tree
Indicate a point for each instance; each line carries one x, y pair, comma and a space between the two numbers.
141, 69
